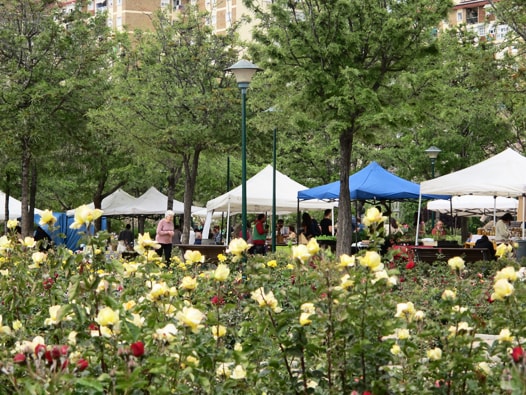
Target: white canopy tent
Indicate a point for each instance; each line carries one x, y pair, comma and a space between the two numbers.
472, 205
15, 207
260, 197
501, 175
152, 202
119, 202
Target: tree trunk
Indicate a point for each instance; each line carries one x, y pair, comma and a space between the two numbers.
190, 166
26, 170
344, 235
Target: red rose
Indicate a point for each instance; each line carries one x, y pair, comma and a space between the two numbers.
48, 283
40, 350
217, 300
137, 349
19, 358
367, 393
55, 353
410, 265
517, 354
82, 364
49, 357
93, 327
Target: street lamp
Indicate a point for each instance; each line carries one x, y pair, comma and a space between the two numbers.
243, 70
432, 153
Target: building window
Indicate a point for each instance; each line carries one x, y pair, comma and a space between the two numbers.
164, 3
472, 15
459, 16
118, 22
502, 30
481, 31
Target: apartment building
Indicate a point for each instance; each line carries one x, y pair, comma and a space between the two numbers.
137, 14
476, 16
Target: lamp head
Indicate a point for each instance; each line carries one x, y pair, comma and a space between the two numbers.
432, 152
243, 70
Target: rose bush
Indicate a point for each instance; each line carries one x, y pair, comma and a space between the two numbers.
305, 322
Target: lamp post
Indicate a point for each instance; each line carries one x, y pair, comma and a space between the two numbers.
432, 153
243, 70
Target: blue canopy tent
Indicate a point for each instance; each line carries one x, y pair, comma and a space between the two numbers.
373, 182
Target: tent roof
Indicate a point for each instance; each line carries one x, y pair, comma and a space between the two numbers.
119, 202
500, 175
149, 203
154, 202
372, 182
259, 195
15, 207
471, 205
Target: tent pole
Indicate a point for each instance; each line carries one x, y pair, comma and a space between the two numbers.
418, 218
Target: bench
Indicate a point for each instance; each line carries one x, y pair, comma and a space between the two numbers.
210, 251
431, 255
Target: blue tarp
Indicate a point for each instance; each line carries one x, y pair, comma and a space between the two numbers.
62, 227
371, 183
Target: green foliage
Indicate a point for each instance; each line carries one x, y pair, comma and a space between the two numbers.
311, 323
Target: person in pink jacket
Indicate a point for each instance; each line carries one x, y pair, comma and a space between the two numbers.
165, 232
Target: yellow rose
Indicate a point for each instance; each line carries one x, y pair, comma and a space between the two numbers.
238, 246
505, 336
265, 299
218, 331
449, 295
193, 257
47, 218
167, 333
144, 243
405, 310
272, 263
456, 263
222, 272
502, 289
507, 273
435, 354
107, 317
402, 334
221, 258
188, 283
395, 349
38, 257
53, 315
308, 308
373, 216
305, 319
12, 224
346, 261
312, 246
372, 260
84, 215
28, 242
238, 373
191, 317
301, 253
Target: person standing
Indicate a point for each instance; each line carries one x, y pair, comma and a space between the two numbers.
126, 237
176, 239
259, 234
326, 223
502, 231
165, 232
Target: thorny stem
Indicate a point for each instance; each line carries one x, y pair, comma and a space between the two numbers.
289, 370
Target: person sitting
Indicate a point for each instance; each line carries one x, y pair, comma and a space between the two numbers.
439, 230
485, 242
502, 231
